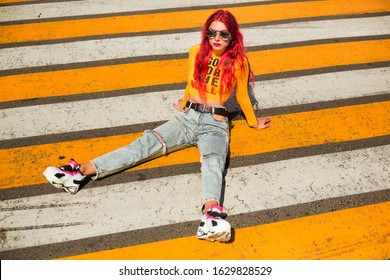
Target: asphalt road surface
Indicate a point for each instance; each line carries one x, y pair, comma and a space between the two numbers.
81, 78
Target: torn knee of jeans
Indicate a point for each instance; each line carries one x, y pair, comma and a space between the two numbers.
206, 156
164, 145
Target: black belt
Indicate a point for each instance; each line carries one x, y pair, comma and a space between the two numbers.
207, 109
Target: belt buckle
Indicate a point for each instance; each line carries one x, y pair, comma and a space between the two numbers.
199, 107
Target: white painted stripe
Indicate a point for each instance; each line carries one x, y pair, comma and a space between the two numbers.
322, 87
128, 110
144, 204
98, 7
94, 50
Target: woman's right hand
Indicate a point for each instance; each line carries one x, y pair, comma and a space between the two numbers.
179, 105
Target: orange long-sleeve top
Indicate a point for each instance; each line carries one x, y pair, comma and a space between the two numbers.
213, 89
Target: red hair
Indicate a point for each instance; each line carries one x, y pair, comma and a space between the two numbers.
234, 55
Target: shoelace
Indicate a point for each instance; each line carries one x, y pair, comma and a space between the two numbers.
217, 214
69, 168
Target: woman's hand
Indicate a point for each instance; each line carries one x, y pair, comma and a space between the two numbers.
262, 123
179, 105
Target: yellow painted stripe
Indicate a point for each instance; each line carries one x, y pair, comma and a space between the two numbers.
15, 1
183, 19
354, 234
23, 166
115, 77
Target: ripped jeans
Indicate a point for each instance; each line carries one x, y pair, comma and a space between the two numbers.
189, 128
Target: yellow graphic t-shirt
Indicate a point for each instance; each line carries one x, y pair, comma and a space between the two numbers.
213, 91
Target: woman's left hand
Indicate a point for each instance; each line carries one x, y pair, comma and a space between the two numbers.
262, 123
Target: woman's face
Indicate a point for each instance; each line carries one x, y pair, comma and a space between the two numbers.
219, 37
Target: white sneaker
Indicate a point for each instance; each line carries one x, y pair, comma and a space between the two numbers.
68, 177
213, 227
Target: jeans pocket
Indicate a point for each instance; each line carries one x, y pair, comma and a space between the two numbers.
220, 118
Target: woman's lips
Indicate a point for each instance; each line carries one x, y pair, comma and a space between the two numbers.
217, 44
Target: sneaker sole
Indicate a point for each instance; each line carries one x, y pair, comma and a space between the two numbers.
221, 237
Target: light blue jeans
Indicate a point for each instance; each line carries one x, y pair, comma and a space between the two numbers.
189, 128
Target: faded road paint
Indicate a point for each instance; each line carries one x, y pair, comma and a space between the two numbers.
124, 76
288, 131
355, 234
183, 20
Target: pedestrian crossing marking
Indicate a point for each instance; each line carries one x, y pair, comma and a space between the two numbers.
354, 234
131, 24
19, 165
143, 74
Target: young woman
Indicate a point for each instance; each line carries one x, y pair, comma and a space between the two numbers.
216, 67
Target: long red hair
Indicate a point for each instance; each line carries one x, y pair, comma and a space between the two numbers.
234, 55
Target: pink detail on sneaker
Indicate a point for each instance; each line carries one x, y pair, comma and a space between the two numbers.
67, 172
73, 163
208, 217
214, 208
74, 173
